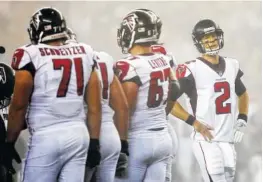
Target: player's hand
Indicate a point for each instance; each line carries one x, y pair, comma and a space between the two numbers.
8, 153
122, 164
204, 130
239, 130
94, 156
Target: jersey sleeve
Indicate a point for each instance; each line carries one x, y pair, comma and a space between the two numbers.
107, 58
22, 60
173, 62
240, 88
126, 72
90, 54
186, 79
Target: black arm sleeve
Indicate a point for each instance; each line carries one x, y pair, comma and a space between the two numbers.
187, 85
135, 79
174, 91
29, 67
239, 85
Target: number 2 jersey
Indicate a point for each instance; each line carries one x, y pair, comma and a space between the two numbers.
60, 75
151, 73
212, 91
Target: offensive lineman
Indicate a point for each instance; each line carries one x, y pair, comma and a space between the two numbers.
145, 78
50, 83
214, 87
114, 103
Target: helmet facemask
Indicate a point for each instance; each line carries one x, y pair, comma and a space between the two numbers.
208, 47
5, 102
125, 38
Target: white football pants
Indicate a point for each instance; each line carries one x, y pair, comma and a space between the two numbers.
57, 153
168, 177
110, 147
149, 154
217, 160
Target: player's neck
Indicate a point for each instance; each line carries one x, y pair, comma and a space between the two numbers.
137, 49
214, 59
55, 43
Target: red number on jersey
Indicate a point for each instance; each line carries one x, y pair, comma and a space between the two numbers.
67, 64
104, 75
155, 93
79, 73
220, 108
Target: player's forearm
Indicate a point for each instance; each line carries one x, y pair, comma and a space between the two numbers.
93, 100
15, 124
122, 124
179, 112
243, 103
94, 124
169, 106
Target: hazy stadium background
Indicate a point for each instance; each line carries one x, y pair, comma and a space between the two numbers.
95, 23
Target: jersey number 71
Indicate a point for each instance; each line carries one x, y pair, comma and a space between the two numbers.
67, 64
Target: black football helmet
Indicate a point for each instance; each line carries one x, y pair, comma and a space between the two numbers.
7, 82
203, 28
47, 24
158, 20
138, 27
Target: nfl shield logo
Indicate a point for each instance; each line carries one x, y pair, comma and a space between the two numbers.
2, 75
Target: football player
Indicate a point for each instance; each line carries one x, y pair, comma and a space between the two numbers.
196, 124
214, 87
145, 78
6, 87
113, 102
52, 82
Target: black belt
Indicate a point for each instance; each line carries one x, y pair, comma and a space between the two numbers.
156, 129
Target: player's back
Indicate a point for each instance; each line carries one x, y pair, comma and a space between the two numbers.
151, 73
106, 75
60, 75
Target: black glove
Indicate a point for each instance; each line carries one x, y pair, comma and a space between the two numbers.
94, 157
122, 164
5, 175
125, 147
94, 176
8, 153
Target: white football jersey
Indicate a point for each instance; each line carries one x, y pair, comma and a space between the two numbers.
211, 92
60, 75
105, 72
151, 73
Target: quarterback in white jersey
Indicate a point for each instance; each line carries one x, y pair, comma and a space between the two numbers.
145, 78
52, 82
215, 90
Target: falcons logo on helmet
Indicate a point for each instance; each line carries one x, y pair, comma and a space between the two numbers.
2, 75
130, 21
36, 20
